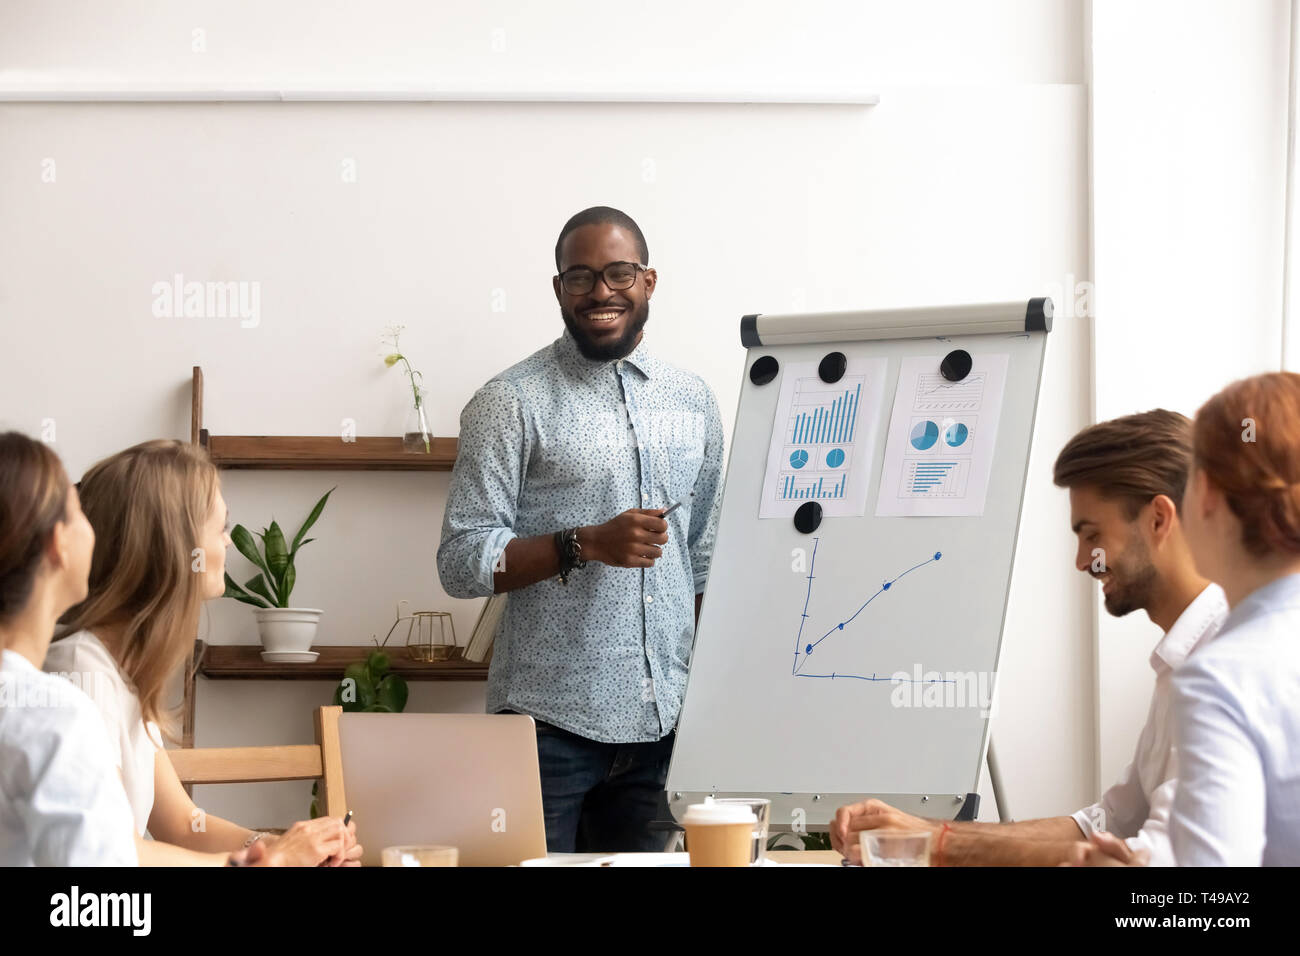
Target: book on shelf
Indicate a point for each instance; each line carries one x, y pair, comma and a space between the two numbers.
481, 640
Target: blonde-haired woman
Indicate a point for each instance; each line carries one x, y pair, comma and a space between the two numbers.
160, 545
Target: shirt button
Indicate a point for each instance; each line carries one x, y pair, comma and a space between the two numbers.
645, 497
619, 365
649, 599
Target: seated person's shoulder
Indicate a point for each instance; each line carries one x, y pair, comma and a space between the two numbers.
83, 661
38, 710
79, 653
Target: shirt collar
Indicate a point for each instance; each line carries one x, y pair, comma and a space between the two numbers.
1284, 592
13, 661
1198, 624
639, 358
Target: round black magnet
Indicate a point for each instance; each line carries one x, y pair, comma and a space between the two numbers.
764, 369
955, 365
831, 368
808, 517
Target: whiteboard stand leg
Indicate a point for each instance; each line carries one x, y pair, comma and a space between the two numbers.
995, 779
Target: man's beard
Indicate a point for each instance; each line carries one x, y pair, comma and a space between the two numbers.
1133, 580
620, 347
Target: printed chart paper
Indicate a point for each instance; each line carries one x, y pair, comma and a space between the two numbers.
822, 439
939, 451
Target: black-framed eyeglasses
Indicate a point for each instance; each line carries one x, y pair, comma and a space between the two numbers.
617, 275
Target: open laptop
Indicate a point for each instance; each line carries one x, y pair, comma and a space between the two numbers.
465, 780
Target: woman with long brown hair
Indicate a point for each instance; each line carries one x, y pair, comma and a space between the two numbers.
160, 543
60, 802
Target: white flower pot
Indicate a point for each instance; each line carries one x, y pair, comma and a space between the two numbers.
287, 630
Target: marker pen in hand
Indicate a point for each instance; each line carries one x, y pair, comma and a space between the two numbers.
347, 818
675, 505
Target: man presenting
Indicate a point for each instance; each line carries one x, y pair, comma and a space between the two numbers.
1126, 479
568, 465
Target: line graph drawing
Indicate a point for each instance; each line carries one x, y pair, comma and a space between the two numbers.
934, 393
807, 650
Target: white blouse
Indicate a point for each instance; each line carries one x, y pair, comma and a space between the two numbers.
133, 745
1238, 801
60, 800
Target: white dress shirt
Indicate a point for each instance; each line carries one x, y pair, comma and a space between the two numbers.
60, 800
1238, 722
1138, 807
133, 744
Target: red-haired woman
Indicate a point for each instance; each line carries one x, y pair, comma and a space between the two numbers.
1237, 702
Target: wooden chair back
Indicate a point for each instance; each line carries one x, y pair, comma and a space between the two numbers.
321, 761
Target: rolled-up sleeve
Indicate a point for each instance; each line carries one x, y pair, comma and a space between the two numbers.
708, 496
484, 495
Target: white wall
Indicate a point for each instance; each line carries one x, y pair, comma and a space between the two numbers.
967, 183
511, 44
1189, 157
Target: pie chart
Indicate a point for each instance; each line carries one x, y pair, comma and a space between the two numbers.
956, 435
924, 435
798, 458
835, 457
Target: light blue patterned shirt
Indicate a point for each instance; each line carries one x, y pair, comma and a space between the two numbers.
1237, 704
558, 441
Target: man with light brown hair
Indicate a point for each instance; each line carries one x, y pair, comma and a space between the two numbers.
1126, 479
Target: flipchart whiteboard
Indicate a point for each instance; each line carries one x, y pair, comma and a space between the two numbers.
923, 596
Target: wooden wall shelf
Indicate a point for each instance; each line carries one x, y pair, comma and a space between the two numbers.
365, 454
244, 662
289, 452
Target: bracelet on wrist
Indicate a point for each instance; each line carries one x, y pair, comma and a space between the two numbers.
569, 549
939, 849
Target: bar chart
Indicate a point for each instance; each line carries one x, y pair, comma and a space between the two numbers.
820, 422
938, 478
822, 438
819, 434
792, 488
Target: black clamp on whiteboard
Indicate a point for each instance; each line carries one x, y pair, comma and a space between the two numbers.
956, 365
970, 807
807, 517
764, 369
831, 368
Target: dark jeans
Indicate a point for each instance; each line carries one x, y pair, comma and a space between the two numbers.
601, 798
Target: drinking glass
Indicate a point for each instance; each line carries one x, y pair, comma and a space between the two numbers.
420, 856
895, 847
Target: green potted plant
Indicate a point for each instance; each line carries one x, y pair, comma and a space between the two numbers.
287, 632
